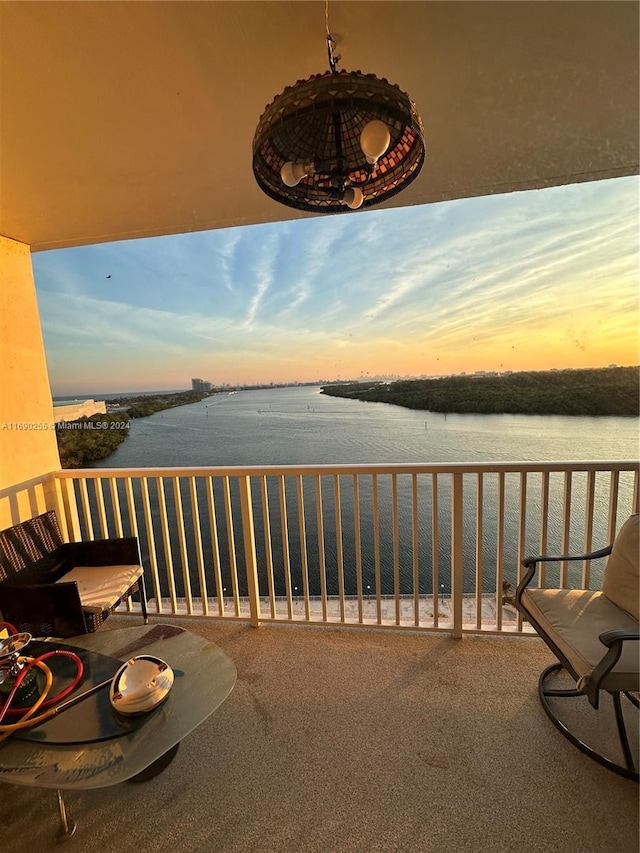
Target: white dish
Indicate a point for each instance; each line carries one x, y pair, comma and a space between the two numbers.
140, 685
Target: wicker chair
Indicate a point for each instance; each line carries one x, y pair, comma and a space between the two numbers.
594, 635
53, 588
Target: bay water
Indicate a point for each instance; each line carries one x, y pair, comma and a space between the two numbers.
300, 426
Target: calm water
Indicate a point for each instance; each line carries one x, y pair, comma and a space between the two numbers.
301, 426
292, 426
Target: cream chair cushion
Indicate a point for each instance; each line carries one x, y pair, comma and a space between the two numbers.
621, 583
101, 587
573, 620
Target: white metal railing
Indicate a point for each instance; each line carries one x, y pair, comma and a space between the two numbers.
427, 546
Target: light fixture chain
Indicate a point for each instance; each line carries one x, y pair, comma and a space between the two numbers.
331, 43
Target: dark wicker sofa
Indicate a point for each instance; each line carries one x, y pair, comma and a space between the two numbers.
53, 588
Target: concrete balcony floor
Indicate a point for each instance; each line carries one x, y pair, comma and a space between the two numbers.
338, 740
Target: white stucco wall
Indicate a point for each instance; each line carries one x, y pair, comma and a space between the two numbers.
73, 411
28, 448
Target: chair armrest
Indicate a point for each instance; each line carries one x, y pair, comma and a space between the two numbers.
614, 641
526, 580
618, 635
45, 570
556, 558
103, 552
530, 564
49, 609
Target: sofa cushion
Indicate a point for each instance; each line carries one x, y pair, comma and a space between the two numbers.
621, 582
101, 587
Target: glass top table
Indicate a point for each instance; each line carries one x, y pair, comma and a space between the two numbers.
204, 677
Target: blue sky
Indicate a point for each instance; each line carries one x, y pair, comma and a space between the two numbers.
528, 280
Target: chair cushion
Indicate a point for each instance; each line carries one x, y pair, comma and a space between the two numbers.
621, 582
573, 619
100, 587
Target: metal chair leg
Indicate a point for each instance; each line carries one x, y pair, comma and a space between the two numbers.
142, 589
67, 824
622, 733
629, 768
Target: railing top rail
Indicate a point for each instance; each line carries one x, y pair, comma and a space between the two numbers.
328, 470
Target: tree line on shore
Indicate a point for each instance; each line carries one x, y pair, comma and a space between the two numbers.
589, 391
92, 438
142, 406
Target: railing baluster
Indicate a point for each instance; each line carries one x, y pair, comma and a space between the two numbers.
166, 541
197, 532
304, 562
457, 544
117, 516
253, 588
286, 557
566, 527
266, 526
415, 547
131, 506
358, 545
115, 502
588, 527
376, 548
613, 505
215, 547
435, 549
70, 509
396, 545
544, 527
182, 543
231, 541
479, 535
522, 535
151, 543
322, 567
500, 551
86, 509
102, 514
339, 546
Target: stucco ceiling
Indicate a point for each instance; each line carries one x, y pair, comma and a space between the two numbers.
131, 119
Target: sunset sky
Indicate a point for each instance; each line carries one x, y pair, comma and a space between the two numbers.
529, 280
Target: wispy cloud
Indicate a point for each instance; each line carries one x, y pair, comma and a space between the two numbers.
262, 275
226, 258
457, 285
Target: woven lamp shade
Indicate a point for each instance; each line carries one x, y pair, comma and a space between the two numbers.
320, 120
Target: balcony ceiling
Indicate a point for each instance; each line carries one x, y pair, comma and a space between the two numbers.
123, 119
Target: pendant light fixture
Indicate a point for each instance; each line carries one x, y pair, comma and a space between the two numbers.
338, 141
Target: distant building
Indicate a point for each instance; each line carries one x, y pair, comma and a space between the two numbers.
81, 409
201, 385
